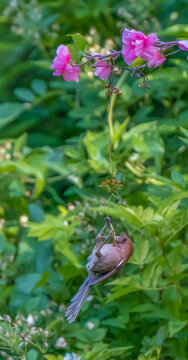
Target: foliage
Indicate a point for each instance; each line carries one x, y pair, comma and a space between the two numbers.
54, 163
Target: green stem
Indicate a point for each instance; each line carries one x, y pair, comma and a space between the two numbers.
112, 103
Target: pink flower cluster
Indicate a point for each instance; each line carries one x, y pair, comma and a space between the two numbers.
62, 66
135, 44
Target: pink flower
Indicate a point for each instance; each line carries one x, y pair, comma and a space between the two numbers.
62, 66
183, 44
71, 73
135, 44
102, 69
156, 60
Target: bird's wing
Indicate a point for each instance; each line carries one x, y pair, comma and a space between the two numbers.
100, 278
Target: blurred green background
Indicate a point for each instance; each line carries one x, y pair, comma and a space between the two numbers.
53, 158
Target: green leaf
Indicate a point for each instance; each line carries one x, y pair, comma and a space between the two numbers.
91, 336
107, 354
50, 357
32, 354
175, 326
178, 30
39, 86
114, 322
8, 112
26, 283
20, 142
184, 131
177, 178
40, 183
184, 140
141, 251
79, 41
119, 212
24, 94
121, 292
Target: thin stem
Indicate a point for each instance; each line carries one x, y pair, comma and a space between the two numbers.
114, 55
84, 63
110, 133
173, 52
112, 102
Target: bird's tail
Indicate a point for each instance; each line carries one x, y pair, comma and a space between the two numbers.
78, 300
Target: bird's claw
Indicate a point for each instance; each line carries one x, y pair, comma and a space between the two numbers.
107, 218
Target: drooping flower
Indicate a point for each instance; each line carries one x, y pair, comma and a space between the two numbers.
183, 45
136, 44
102, 69
62, 66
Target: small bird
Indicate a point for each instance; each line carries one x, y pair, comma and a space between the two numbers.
104, 261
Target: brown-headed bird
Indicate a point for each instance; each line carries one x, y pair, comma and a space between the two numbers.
104, 261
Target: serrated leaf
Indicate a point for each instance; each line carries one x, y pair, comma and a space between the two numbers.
119, 212
141, 249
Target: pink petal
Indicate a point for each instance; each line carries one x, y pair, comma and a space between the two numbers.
105, 73
131, 35
63, 53
148, 52
156, 60
128, 53
61, 60
71, 73
125, 35
139, 45
183, 44
102, 69
58, 72
151, 39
